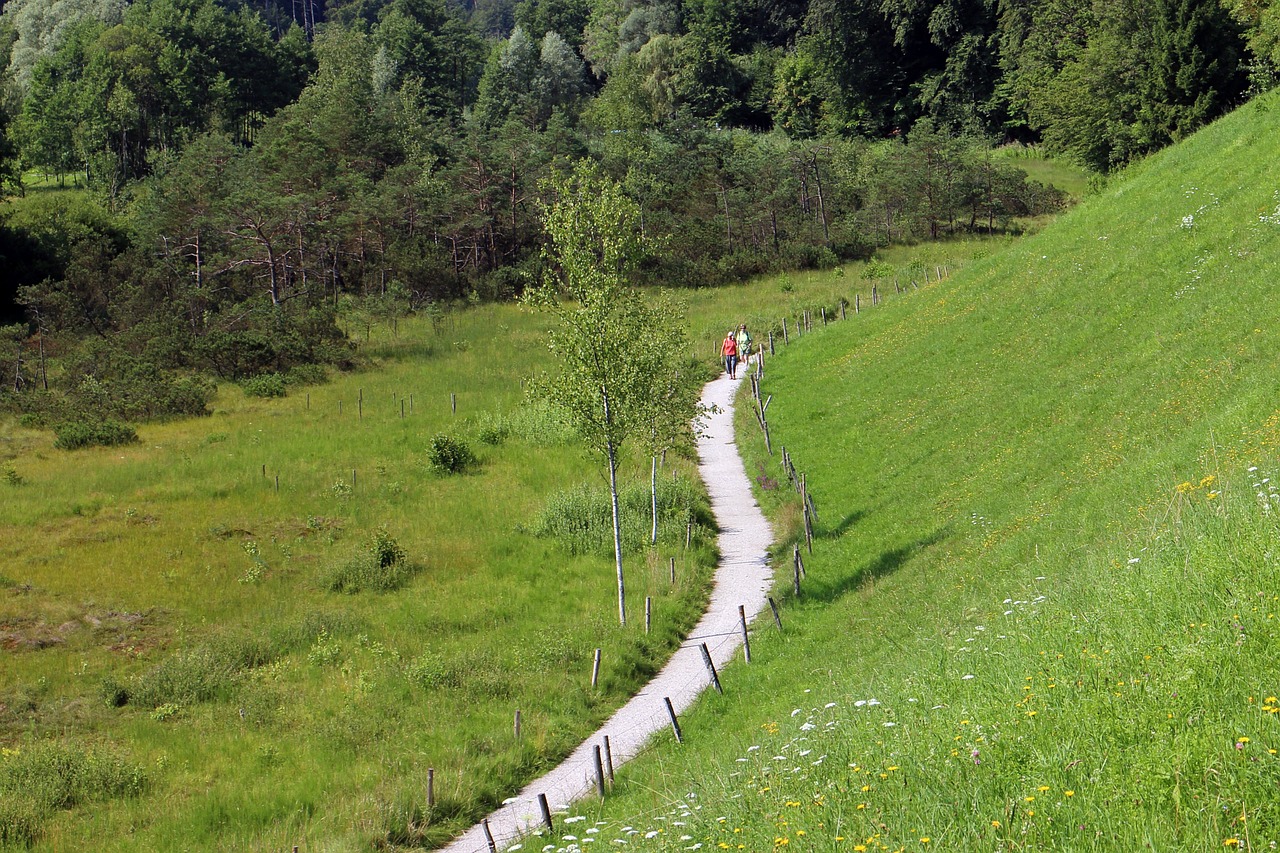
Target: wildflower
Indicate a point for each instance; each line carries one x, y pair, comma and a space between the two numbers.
1231, 842
1043, 788
925, 840
996, 824
1068, 793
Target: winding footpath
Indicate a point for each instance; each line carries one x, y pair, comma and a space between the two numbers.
742, 579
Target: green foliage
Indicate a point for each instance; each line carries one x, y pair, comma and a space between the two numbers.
580, 518
306, 374
76, 435
53, 774
381, 567
265, 385
201, 673
449, 455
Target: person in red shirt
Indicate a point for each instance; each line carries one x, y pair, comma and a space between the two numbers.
729, 349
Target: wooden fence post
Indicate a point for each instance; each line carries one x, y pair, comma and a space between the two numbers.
675, 724
546, 812
431, 787
711, 668
746, 640
488, 836
595, 670
599, 772
608, 758
777, 617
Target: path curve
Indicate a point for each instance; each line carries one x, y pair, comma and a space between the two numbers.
743, 578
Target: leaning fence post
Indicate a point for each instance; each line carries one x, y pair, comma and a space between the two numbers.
488, 836
746, 640
546, 812
675, 724
777, 617
711, 668
608, 758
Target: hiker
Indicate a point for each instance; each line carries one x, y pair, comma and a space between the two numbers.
729, 349
743, 339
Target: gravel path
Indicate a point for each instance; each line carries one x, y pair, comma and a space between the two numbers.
743, 578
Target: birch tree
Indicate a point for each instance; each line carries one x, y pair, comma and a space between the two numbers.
618, 348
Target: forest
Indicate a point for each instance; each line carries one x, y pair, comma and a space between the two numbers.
217, 189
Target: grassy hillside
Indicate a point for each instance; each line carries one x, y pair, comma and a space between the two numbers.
1041, 608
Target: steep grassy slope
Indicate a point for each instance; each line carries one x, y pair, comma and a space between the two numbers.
1040, 612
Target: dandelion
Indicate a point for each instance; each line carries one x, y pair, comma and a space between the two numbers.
1068, 793
1043, 788
925, 840
996, 824
1231, 842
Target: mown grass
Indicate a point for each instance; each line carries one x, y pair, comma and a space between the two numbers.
1041, 610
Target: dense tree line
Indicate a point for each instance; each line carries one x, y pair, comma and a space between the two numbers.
255, 167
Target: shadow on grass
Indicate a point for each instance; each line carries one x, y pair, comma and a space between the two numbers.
843, 527
881, 566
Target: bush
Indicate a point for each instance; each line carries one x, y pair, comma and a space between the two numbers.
449, 455
381, 568
306, 374
265, 385
77, 434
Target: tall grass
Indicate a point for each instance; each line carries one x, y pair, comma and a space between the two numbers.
1040, 612
207, 604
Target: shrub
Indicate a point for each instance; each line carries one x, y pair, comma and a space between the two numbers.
449, 455
382, 567
74, 435
492, 428
306, 374
265, 385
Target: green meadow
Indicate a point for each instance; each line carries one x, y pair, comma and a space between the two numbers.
196, 654
1040, 612
189, 665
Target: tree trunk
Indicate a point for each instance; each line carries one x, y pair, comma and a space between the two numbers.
822, 207
612, 454
653, 499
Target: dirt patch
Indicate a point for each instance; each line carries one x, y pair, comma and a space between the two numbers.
124, 630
